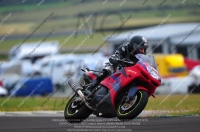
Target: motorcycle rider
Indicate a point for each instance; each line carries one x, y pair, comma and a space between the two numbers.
137, 44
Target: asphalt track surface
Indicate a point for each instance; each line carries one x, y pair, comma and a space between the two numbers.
58, 124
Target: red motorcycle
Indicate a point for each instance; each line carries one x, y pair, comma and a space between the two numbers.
124, 94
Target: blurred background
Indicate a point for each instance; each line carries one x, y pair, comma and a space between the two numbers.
45, 42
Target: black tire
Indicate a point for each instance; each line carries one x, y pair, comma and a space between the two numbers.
77, 114
141, 99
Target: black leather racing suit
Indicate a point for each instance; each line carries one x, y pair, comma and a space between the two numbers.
121, 53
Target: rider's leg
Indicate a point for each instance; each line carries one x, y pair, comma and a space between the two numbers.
96, 82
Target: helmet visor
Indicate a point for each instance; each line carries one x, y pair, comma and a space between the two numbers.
141, 50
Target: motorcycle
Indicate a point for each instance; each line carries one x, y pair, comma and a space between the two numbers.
123, 94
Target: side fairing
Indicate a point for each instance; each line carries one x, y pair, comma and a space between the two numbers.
118, 80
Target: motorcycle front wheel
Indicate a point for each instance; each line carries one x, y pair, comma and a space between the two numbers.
75, 111
132, 108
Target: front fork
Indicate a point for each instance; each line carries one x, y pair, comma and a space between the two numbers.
132, 91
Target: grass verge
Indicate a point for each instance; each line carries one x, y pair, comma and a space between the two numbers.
71, 41
32, 104
176, 104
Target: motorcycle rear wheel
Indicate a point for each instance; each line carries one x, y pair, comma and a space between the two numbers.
76, 113
134, 108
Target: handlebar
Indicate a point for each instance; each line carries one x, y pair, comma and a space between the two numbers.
117, 59
128, 62
87, 70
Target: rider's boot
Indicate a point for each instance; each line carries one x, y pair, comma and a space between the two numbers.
96, 82
89, 89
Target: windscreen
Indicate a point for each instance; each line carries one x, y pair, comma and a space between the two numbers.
147, 58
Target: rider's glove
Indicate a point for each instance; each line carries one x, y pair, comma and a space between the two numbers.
103, 74
113, 59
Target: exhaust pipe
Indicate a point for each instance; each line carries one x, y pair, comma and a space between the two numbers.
77, 89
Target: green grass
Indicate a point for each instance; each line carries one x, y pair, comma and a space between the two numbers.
95, 40
189, 105
32, 104
21, 8
65, 14
179, 104
165, 102
3, 58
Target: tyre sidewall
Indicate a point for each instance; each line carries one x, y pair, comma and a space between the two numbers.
83, 113
137, 109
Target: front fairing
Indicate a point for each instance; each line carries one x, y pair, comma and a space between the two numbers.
149, 64
147, 59
142, 74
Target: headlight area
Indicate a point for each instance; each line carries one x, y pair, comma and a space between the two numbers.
153, 72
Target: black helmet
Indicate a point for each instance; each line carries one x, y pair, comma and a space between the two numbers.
137, 44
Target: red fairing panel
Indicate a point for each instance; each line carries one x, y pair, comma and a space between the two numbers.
121, 78
91, 75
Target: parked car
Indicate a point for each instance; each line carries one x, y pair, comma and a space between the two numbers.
55, 67
3, 91
33, 51
33, 86
20, 67
10, 80
61, 67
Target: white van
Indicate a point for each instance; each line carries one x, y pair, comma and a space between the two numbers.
33, 51
60, 67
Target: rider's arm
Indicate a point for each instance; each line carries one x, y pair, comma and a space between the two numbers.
120, 53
